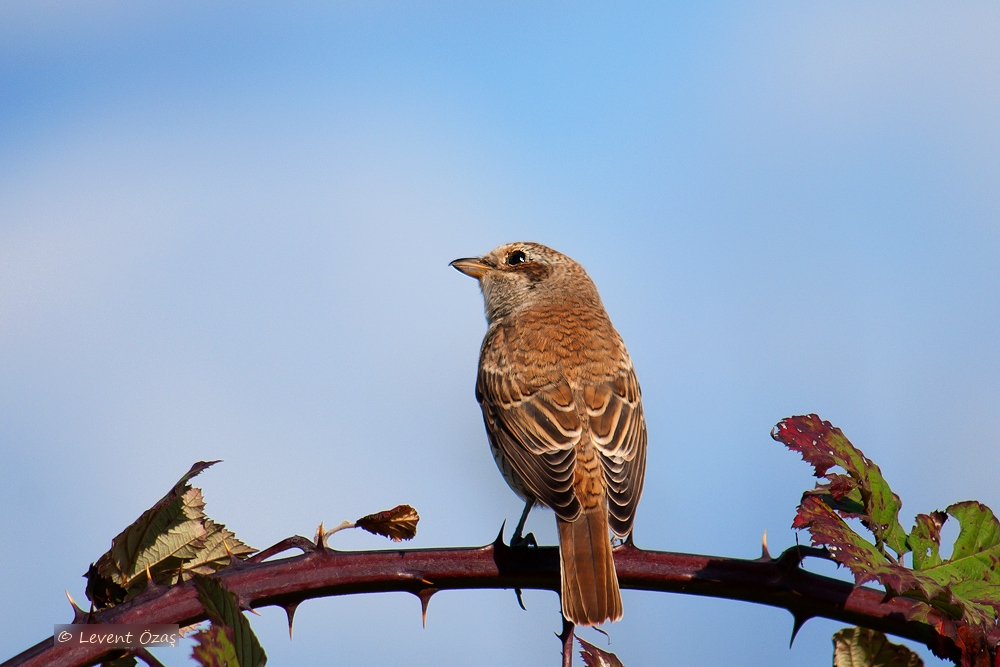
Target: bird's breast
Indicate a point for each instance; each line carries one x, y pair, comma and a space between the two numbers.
542, 346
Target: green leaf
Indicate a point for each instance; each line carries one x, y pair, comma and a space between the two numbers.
965, 588
219, 544
863, 492
978, 528
170, 540
861, 647
925, 540
214, 647
222, 609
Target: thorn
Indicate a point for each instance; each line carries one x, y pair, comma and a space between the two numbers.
290, 613
603, 632
151, 585
628, 540
320, 539
520, 602
234, 561
79, 615
425, 598
498, 542
799, 622
242, 605
765, 554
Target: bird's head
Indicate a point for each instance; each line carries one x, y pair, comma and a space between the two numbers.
523, 274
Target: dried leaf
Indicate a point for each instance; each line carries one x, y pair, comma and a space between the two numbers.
215, 647
223, 610
861, 647
399, 523
595, 657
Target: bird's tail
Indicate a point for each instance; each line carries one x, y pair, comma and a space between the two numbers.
590, 592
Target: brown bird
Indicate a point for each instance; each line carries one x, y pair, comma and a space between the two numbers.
563, 412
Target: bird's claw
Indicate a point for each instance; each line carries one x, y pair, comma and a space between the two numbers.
519, 542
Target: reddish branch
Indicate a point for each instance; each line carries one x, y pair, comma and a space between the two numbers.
257, 582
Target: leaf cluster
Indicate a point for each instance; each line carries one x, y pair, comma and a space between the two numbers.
170, 542
965, 588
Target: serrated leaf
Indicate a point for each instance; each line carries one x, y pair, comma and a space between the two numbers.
219, 543
130, 551
215, 647
825, 446
861, 647
195, 470
967, 588
827, 528
222, 609
978, 528
182, 503
925, 540
169, 540
595, 657
399, 523
964, 588
134, 543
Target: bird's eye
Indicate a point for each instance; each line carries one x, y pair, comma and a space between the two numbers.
516, 257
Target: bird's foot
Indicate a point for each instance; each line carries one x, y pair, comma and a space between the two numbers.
519, 542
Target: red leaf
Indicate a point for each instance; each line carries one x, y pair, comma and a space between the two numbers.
808, 435
595, 657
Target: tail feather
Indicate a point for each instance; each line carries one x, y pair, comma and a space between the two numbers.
590, 594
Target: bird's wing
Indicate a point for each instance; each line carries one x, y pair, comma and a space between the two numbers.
618, 430
537, 430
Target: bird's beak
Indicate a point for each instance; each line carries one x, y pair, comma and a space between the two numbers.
471, 266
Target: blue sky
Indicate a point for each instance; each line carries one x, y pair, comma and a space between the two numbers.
225, 229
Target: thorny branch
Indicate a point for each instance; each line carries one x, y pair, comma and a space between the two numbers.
321, 572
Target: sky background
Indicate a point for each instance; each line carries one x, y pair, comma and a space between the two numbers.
225, 231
